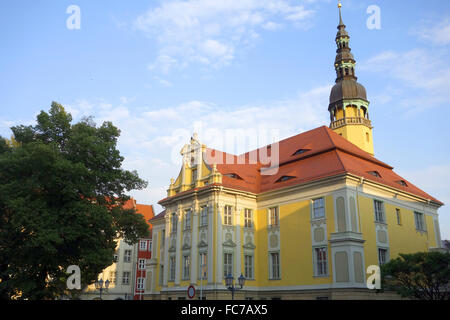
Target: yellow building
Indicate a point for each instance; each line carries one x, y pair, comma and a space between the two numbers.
307, 225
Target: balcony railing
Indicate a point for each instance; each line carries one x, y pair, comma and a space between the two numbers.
353, 120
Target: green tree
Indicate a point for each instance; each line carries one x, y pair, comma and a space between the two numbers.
62, 196
422, 275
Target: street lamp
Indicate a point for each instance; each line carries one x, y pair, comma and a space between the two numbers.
229, 281
99, 286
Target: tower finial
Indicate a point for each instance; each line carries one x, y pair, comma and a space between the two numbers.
341, 23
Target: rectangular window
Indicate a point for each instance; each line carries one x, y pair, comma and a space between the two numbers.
420, 221
321, 261
112, 277
227, 216
204, 216
174, 222
274, 218
379, 211
382, 256
187, 220
163, 237
143, 245
399, 217
126, 278
150, 245
172, 269
140, 283
275, 265
227, 264
203, 265
127, 256
194, 175
186, 267
248, 218
248, 266
141, 264
161, 275
318, 208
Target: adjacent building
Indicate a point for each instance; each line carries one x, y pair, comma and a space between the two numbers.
306, 225
125, 274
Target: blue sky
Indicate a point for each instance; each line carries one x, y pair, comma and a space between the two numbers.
161, 70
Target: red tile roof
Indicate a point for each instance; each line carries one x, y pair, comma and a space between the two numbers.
146, 211
329, 154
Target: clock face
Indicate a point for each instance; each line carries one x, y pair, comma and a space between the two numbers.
191, 292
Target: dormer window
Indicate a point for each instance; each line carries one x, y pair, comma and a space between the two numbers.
300, 151
402, 182
285, 178
375, 174
233, 175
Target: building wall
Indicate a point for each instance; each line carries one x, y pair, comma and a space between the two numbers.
359, 135
295, 239
116, 290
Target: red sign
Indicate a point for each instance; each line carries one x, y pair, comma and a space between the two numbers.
191, 292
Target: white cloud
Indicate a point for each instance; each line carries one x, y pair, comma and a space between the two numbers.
212, 32
438, 34
427, 72
163, 82
152, 139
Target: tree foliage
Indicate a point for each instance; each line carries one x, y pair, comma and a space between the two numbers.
62, 196
422, 275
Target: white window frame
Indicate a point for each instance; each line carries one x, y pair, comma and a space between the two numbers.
319, 206
203, 265
186, 267
419, 221
274, 217
379, 211
228, 215
141, 264
320, 264
172, 268
127, 256
386, 256
204, 216
249, 269
150, 245
143, 245
227, 264
126, 277
248, 218
187, 219
399, 216
174, 223
161, 275
140, 283
274, 268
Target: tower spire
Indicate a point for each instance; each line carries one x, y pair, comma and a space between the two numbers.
349, 107
341, 23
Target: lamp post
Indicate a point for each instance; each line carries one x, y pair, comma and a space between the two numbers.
99, 286
229, 281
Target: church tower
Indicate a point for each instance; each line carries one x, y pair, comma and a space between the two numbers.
349, 107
